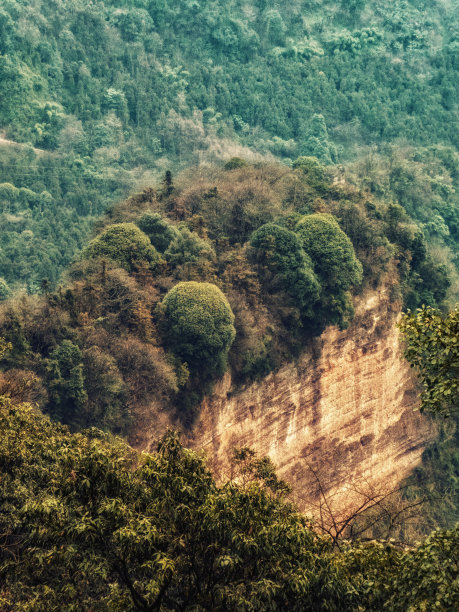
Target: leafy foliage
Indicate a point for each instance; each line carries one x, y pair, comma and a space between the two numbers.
66, 382
86, 522
436, 479
124, 243
424, 578
317, 144
424, 181
429, 576
433, 349
188, 247
91, 524
432, 340
160, 232
331, 251
199, 325
234, 163
284, 266
335, 263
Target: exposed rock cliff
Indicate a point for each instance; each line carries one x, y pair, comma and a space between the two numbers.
345, 409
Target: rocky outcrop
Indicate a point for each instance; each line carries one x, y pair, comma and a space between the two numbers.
343, 412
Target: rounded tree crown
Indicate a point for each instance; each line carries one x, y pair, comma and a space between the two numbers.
160, 232
330, 249
199, 321
124, 243
279, 246
279, 249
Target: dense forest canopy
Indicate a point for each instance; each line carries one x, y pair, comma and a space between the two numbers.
264, 68
112, 92
90, 524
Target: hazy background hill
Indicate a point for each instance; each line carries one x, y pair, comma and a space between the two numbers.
117, 91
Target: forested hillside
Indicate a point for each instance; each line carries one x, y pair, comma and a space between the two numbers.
114, 92
376, 72
288, 249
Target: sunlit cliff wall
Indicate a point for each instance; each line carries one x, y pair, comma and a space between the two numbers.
344, 409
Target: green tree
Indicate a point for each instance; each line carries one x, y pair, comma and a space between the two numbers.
67, 394
188, 247
87, 523
274, 26
335, 265
124, 243
160, 232
106, 391
417, 579
133, 23
9, 195
330, 250
353, 8
317, 143
199, 326
432, 347
93, 525
311, 168
284, 266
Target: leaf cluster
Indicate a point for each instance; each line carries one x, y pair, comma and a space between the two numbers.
198, 323
87, 523
432, 347
284, 266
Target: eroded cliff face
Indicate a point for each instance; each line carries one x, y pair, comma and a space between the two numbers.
343, 413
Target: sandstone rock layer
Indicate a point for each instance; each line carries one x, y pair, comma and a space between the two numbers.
343, 411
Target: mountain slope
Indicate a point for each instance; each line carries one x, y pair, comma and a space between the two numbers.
120, 90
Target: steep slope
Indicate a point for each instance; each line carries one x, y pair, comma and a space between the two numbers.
342, 414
